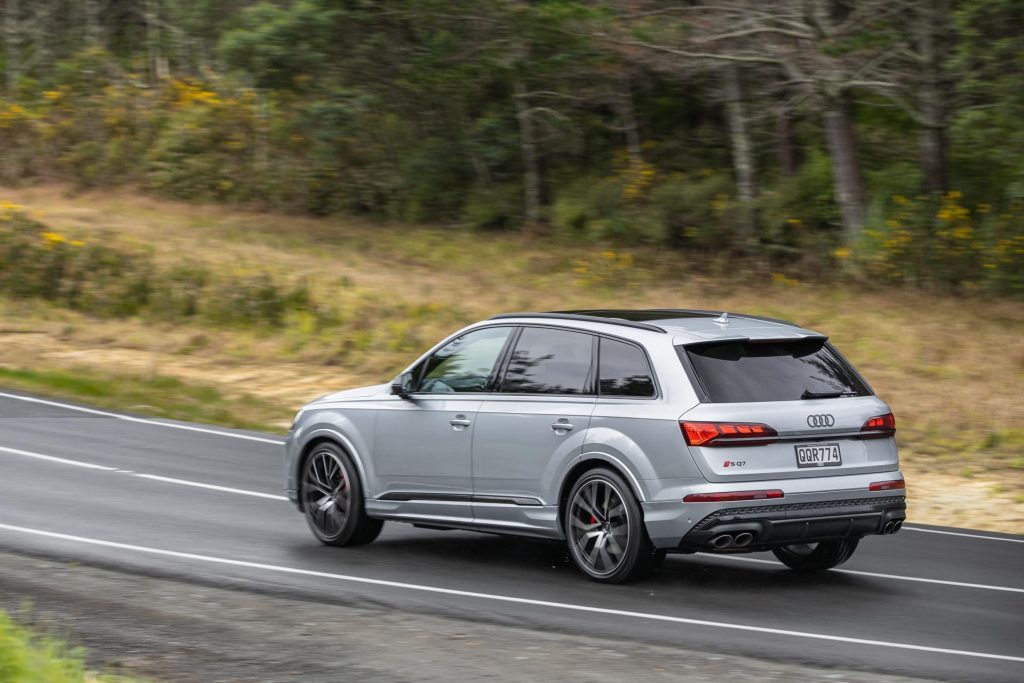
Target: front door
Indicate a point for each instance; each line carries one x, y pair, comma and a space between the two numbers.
422, 445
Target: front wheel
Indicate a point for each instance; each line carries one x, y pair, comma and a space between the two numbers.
332, 497
605, 530
815, 557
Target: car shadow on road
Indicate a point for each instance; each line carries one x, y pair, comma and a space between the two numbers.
491, 563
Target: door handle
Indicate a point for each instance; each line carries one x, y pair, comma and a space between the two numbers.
558, 426
459, 422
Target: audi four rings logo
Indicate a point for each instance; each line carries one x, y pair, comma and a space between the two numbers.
825, 420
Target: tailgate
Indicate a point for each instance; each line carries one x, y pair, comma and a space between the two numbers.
816, 438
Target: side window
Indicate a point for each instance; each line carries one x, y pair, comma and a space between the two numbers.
465, 363
624, 370
549, 361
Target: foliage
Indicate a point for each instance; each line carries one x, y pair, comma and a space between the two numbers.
941, 241
415, 111
26, 657
106, 279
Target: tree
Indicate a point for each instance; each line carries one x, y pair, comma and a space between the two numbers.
826, 50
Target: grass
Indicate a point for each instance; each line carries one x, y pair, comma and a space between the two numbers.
27, 657
158, 396
951, 367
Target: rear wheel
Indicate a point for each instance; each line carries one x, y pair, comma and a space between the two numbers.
332, 497
605, 531
815, 557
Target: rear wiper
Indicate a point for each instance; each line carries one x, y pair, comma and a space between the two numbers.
825, 394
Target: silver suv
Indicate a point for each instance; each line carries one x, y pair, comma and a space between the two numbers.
626, 434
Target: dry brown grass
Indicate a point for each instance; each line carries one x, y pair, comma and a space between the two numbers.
952, 368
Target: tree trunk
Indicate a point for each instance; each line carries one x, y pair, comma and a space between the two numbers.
742, 155
92, 21
12, 43
627, 119
932, 23
785, 145
933, 158
846, 174
157, 64
528, 149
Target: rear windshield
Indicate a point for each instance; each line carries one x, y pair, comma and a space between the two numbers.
740, 372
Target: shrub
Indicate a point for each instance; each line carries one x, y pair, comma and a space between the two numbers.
92, 277
112, 281
250, 299
940, 241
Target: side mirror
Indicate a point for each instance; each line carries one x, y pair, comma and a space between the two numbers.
402, 386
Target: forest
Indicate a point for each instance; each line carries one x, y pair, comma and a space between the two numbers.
872, 141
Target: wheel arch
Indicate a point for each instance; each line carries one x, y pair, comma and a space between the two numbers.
339, 440
591, 463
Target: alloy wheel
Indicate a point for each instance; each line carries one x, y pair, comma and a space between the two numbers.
599, 526
326, 493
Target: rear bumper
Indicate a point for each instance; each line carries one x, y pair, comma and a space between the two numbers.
765, 526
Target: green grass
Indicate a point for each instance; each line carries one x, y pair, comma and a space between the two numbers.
158, 396
27, 657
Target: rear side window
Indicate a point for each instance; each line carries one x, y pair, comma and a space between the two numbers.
624, 370
739, 372
550, 361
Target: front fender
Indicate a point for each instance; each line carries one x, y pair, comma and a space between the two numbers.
352, 430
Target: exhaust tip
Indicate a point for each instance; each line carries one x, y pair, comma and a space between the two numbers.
897, 526
721, 541
743, 539
888, 529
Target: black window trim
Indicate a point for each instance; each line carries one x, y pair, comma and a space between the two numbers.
498, 373
650, 367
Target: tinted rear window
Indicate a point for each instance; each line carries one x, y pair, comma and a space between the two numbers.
740, 372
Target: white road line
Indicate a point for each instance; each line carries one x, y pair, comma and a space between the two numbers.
960, 533
227, 489
876, 574
503, 598
141, 475
142, 420
53, 458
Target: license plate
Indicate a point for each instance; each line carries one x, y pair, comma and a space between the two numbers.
818, 455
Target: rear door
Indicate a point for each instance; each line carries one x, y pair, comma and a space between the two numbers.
804, 391
535, 420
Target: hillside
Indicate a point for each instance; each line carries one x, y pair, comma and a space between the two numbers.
342, 302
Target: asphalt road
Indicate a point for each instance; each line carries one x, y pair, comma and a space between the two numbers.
203, 504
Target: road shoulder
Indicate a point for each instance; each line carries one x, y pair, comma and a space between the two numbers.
176, 631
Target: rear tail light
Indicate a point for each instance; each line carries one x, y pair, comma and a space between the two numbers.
731, 496
727, 433
891, 485
880, 427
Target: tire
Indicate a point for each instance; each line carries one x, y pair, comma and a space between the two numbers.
604, 529
815, 557
332, 498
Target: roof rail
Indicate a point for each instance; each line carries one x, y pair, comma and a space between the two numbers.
582, 318
712, 314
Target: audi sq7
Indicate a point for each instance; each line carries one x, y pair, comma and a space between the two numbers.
625, 434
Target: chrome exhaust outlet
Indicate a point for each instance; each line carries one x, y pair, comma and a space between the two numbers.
897, 526
888, 527
743, 539
721, 542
